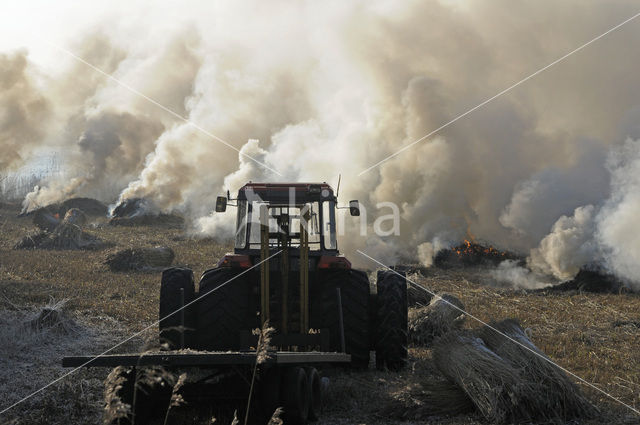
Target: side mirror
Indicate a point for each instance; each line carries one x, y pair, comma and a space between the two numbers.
221, 204
354, 208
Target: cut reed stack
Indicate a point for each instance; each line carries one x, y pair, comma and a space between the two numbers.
507, 377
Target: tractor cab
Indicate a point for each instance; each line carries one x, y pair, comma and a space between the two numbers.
296, 217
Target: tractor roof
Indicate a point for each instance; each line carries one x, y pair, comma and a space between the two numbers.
279, 192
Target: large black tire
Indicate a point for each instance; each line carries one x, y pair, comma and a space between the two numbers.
270, 391
392, 316
174, 280
225, 312
354, 291
295, 396
315, 394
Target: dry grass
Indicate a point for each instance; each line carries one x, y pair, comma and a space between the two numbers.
576, 330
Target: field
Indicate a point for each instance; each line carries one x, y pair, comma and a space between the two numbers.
596, 336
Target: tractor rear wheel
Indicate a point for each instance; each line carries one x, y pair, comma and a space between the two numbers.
391, 325
354, 293
223, 309
176, 281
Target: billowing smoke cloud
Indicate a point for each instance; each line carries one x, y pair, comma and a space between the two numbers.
23, 111
316, 90
569, 246
107, 134
605, 235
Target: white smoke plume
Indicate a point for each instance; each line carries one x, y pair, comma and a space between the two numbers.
24, 111
568, 247
605, 235
510, 273
103, 134
333, 88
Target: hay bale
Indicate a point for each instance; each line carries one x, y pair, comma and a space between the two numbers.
141, 212
91, 207
417, 297
75, 216
52, 318
31, 241
46, 219
560, 398
491, 383
443, 398
131, 208
170, 221
591, 279
432, 397
65, 237
436, 319
141, 259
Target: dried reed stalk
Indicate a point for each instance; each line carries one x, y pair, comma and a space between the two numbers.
559, 399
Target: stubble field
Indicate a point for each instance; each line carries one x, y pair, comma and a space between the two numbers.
596, 336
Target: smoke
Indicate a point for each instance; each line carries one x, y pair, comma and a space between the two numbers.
569, 246
605, 235
618, 219
510, 273
23, 110
317, 90
106, 134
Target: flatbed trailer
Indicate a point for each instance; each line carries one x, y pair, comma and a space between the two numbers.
207, 359
288, 379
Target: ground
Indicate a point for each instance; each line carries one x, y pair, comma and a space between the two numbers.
595, 336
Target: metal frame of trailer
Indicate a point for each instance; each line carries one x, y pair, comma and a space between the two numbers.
206, 359
217, 376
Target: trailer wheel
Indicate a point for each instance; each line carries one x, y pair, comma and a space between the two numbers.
296, 396
314, 389
128, 386
354, 289
223, 310
270, 389
118, 394
174, 280
391, 327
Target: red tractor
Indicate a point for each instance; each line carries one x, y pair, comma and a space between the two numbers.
286, 271
303, 286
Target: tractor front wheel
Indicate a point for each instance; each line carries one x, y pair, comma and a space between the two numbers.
223, 308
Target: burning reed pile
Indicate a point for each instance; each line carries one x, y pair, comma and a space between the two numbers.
508, 382
471, 253
67, 234
591, 279
140, 212
141, 259
436, 319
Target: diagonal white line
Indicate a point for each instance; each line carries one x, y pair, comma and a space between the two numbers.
159, 105
560, 59
133, 336
504, 335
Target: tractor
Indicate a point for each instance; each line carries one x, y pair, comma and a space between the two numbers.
286, 270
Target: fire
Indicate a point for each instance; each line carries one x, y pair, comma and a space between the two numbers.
471, 247
469, 252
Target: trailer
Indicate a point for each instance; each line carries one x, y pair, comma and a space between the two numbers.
286, 379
